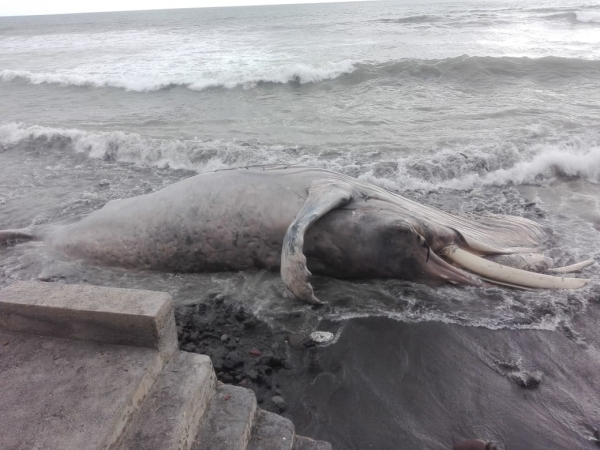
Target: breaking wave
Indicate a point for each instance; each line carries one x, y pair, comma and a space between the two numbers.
588, 16
291, 73
411, 19
189, 154
577, 17
449, 168
464, 68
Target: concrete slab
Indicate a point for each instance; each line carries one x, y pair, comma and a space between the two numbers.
68, 394
228, 422
90, 313
271, 432
170, 416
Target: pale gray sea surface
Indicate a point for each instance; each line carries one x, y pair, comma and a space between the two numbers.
480, 106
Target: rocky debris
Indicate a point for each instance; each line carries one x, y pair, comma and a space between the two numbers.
526, 379
279, 402
511, 367
474, 444
596, 438
244, 350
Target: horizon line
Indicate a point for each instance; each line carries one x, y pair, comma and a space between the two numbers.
292, 2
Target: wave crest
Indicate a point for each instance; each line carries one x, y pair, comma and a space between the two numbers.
291, 73
494, 166
189, 154
484, 68
576, 17
462, 69
588, 16
451, 168
411, 19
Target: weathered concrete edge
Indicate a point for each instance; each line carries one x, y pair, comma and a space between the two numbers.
132, 408
174, 410
101, 314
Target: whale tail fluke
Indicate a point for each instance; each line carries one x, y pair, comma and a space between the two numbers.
9, 237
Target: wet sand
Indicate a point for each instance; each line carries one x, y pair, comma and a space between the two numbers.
392, 385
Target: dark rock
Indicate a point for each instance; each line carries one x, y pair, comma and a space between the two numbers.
474, 444
265, 359
228, 365
232, 337
597, 436
198, 323
295, 340
279, 402
250, 324
188, 347
236, 358
525, 379
226, 378
241, 315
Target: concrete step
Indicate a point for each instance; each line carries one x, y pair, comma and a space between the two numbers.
304, 443
228, 422
170, 416
70, 394
60, 367
271, 432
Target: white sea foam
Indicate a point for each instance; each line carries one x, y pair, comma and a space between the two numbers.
191, 154
588, 16
141, 82
452, 169
142, 76
445, 169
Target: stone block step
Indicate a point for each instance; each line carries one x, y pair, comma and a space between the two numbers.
304, 443
169, 418
90, 313
228, 422
271, 432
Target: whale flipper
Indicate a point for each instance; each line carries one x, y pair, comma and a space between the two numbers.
323, 196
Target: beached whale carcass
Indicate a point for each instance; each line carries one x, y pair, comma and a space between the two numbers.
299, 220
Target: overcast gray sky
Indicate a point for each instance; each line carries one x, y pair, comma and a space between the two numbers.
23, 7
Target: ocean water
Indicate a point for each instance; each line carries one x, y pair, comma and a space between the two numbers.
472, 106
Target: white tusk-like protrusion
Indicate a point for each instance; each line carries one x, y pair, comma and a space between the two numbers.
509, 275
573, 267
